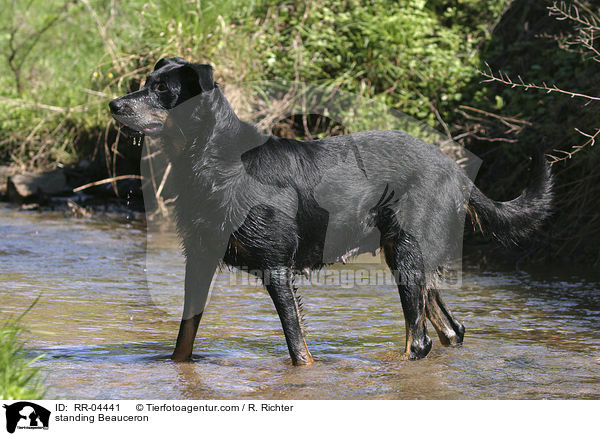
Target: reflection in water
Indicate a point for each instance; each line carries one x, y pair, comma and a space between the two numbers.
528, 335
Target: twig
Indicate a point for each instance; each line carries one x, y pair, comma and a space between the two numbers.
21, 103
437, 115
97, 93
161, 204
493, 115
483, 138
480, 129
576, 148
162, 183
571, 12
587, 25
506, 80
104, 181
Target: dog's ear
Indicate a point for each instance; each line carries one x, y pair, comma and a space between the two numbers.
205, 76
164, 61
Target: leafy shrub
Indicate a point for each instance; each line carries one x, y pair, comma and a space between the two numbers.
409, 55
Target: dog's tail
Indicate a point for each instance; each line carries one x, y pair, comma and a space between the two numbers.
512, 221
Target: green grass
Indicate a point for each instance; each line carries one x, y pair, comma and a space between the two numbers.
61, 61
18, 378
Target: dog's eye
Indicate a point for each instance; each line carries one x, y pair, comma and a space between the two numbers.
161, 87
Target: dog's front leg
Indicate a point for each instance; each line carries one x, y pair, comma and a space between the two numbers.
278, 282
199, 271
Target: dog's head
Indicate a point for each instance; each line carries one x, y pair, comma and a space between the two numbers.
173, 81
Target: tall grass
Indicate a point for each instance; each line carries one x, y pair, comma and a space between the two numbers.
62, 61
18, 378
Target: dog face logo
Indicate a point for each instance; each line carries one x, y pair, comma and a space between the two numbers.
26, 415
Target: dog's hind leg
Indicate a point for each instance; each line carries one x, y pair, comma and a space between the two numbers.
403, 256
199, 271
450, 331
278, 282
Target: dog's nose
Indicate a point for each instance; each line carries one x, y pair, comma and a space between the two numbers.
115, 106
120, 107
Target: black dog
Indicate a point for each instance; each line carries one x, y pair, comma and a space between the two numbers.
278, 207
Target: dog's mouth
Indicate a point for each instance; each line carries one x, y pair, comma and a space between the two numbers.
148, 129
128, 131
152, 129
136, 136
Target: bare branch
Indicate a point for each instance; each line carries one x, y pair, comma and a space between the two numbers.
570, 11
576, 148
104, 181
505, 120
506, 80
587, 25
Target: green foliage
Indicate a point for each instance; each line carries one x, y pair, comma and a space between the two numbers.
18, 379
407, 54
71, 58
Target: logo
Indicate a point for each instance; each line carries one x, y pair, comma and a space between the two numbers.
26, 415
